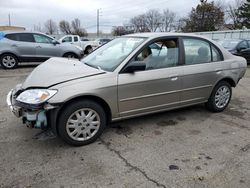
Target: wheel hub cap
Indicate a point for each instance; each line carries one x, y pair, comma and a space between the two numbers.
9, 61
222, 96
83, 124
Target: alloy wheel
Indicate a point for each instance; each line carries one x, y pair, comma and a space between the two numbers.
222, 96
83, 124
9, 61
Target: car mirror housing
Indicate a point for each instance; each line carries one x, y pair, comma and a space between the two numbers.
55, 42
134, 67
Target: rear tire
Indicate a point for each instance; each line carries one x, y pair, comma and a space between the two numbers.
220, 97
70, 55
81, 122
8, 61
88, 50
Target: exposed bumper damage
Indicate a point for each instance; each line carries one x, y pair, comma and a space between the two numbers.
33, 116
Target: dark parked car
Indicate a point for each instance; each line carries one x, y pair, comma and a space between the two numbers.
238, 47
16, 46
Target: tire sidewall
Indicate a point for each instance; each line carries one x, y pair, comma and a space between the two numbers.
68, 54
89, 50
211, 101
69, 110
1, 61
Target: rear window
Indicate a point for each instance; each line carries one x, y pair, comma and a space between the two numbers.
11, 36
24, 37
75, 39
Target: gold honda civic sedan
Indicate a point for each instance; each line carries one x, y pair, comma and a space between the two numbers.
130, 76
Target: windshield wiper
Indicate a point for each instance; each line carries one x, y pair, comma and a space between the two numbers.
96, 67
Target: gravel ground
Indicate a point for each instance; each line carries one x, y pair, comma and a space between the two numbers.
190, 147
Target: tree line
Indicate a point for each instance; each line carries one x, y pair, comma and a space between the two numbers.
206, 16
51, 27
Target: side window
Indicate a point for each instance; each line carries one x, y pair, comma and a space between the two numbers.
216, 55
11, 36
160, 54
25, 37
248, 43
42, 39
243, 45
75, 39
196, 51
67, 39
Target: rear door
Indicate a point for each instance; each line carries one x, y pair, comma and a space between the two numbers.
23, 45
45, 48
202, 69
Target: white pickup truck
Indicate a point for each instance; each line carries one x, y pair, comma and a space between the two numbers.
87, 46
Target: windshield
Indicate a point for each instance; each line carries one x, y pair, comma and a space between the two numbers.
229, 44
110, 56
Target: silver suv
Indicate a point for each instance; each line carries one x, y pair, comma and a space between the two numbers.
24, 46
130, 76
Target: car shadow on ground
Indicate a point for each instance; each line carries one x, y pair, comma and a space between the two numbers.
126, 127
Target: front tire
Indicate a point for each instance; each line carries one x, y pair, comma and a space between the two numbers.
8, 61
81, 122
70, 55
220, 97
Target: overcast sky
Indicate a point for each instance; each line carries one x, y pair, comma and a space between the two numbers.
28, 13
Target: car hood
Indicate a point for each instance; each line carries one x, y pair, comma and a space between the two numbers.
58, 70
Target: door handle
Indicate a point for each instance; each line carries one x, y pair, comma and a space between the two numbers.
38, 47
14, 45
174, 77
218, 71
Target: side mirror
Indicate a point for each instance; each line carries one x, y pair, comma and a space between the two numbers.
239, 49
134, 66
63, 41
55, 42
247, 50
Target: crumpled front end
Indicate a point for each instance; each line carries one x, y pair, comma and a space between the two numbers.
33, 115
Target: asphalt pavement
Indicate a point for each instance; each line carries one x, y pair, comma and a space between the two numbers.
190, 147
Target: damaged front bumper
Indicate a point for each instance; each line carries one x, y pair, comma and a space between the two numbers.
33, 116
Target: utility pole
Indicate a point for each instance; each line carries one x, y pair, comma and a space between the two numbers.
97, 24
9, 20
98, 21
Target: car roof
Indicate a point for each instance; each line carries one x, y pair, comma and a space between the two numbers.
233, 40
15, 31
163, 34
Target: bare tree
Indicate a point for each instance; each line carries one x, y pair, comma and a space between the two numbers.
38, 28
153, 19
77, 29
168, 21
65, 27
50, 26
139, 23
232, 13
121, 30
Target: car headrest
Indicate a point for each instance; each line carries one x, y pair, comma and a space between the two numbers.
203, 51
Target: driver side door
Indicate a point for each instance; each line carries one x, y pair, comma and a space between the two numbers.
45, 47
153, 89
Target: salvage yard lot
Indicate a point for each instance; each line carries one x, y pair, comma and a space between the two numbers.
190, 147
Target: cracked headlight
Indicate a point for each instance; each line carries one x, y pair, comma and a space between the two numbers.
36, 96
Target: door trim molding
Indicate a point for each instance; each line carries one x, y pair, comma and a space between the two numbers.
163, 93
